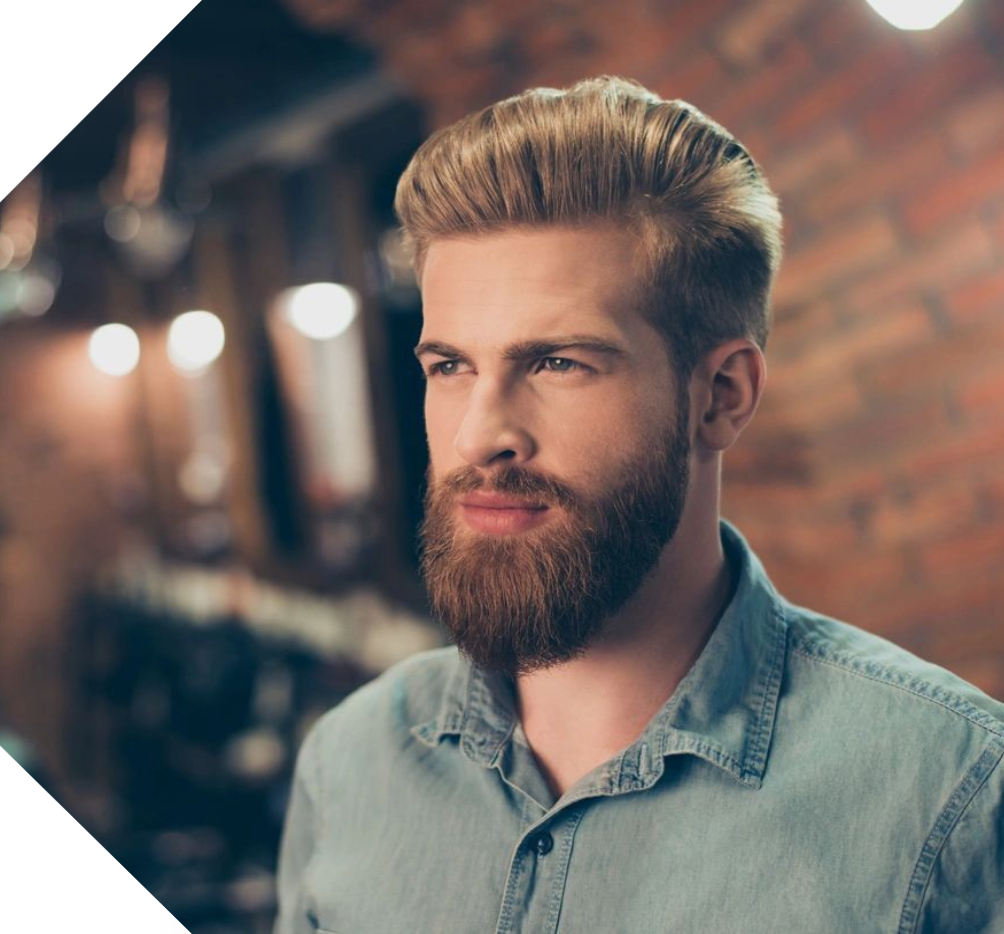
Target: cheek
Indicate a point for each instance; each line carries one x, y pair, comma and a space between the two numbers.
442, 422
610, 415
617, 428
594, 438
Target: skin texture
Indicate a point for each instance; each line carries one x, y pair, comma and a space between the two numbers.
583, 428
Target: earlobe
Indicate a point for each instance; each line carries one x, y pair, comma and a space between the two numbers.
734, 377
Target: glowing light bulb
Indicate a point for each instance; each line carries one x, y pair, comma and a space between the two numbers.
914, 14
321, 310
114, 349
195, 340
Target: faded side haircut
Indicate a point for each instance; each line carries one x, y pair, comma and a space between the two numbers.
607, 150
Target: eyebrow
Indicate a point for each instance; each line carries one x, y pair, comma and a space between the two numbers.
528, 350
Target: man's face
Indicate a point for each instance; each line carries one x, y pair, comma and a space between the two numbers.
548, 391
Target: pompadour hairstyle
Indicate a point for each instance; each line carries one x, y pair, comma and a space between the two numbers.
606, 150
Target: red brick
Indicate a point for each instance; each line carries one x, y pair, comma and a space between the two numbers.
819, 495
476, 28
648, 32
785, 409
977, 124
644, 36
836, 353
885, 434
380, 24
550, 37
516, 16
958, 193
908, 375
924, 512
685, 22
761, 458
843, 26
840, 90
764, 495
989, 484
933, 605
875, 178
931, 266
743, 102
866, 243
859, 578
846, 585
797, 328
812, 541
977, 297
795, 172
932, 87
421, 55
966, 553
961, 449
980, 394
747, 35
687, 78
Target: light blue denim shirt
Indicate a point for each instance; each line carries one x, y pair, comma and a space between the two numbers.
804, 777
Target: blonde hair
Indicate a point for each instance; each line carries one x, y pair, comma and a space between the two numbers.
607, 150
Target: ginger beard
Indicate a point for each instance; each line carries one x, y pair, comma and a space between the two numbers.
522, 602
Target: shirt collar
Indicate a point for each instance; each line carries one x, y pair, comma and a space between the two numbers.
722, 711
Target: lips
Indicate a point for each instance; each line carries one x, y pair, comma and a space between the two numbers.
501, 515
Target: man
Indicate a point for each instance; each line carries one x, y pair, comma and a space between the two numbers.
633, 731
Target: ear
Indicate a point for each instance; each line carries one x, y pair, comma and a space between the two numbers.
725, 390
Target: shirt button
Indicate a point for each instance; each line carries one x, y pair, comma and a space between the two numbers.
543, 843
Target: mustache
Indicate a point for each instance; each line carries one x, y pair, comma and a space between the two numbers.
508, 481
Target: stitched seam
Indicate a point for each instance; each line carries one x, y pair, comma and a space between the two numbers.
832, 663
945, 825
509, 893
558, 893
769, 694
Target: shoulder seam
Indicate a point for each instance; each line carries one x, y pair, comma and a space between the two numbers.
961, 800
963, 708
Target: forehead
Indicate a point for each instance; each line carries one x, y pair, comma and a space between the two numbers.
521, 283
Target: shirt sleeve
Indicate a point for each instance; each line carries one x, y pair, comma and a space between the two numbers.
966, 887
299, 839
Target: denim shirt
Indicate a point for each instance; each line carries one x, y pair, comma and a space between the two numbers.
805, 776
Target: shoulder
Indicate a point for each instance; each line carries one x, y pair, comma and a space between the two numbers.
884, 719
842, 658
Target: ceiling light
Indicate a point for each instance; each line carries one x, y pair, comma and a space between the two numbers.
114, 349
194, 341
915, 14
321, 310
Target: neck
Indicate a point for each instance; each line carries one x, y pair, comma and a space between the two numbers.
580, 713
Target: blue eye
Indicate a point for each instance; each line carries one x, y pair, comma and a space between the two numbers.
440, 369
560, 364
556, 365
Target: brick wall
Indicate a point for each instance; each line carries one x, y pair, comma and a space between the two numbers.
870, 481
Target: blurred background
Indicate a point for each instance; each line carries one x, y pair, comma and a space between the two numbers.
211, 440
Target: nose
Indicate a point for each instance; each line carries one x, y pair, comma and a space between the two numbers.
492, 430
